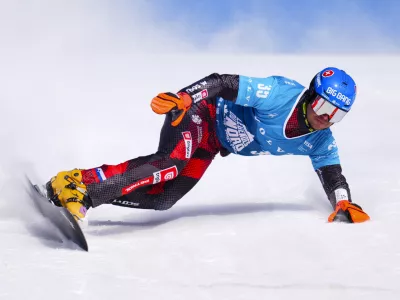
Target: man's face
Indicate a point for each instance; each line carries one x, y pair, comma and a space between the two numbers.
317, 122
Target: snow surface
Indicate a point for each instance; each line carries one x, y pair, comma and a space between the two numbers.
253, 228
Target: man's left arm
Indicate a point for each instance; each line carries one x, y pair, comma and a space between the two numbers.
325, 159
334, 183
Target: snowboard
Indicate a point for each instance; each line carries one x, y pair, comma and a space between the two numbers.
60, 217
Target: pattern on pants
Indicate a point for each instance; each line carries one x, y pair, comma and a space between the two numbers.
158, 180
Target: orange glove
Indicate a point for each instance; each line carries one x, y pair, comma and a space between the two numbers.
179, 104
348, 212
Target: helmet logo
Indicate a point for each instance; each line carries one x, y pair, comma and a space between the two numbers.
328, 73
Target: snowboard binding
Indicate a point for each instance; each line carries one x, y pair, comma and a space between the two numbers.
51, 196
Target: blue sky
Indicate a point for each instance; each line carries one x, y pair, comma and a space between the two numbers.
222, 26
340, 25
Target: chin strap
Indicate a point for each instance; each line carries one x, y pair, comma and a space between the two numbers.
304, 111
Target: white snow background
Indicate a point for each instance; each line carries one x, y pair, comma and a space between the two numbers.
75, 89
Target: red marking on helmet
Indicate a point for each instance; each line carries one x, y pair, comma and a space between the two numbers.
355, 89
328, 73
315, 102
333, 113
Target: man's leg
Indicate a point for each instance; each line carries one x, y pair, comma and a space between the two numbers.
178, 145
163, 196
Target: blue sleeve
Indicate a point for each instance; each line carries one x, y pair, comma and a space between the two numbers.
256, 92
326, 153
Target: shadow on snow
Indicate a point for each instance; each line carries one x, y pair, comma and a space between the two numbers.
154, 219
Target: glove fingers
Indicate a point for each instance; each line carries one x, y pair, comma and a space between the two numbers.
348, 212
162, 106
163, 103
177, 104
357, 215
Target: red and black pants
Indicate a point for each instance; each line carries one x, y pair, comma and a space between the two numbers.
159, 180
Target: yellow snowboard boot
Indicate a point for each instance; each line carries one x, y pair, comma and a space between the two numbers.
66, 189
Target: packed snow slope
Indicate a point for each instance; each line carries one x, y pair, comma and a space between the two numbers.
253, 228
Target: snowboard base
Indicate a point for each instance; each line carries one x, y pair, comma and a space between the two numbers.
60, 217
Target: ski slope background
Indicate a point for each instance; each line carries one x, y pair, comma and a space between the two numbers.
252, 228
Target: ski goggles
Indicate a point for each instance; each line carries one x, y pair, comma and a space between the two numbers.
321, 106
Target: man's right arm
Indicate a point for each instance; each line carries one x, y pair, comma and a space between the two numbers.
214, 86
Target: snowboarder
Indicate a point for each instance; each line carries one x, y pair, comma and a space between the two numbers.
224, 114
